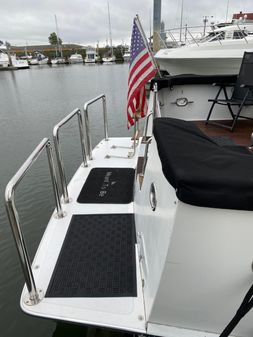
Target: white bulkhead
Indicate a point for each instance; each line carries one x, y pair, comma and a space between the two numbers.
197, 261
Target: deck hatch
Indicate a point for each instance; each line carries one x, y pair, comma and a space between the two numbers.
97, 258
108, 185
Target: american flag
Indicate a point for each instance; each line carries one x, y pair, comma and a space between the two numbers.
141, 70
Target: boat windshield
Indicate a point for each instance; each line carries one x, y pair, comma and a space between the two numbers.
221, 35
213, 36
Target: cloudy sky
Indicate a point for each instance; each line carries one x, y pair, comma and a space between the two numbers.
86, 21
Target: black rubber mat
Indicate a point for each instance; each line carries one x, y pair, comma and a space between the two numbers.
97, 258
108, 186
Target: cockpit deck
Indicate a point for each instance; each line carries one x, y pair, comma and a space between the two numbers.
240, 136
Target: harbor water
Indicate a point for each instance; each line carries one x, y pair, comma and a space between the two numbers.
32, 101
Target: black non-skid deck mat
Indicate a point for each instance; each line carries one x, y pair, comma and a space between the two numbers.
108, 185
97, 258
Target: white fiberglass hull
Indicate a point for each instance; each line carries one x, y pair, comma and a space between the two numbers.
204, 59
4, 60
201, 66
58, 61
43, 61
108, 60
20, 64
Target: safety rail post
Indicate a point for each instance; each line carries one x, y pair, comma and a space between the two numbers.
242, 33
63, 180
142, 173
34, 295
193, 38
146, 126
87, 126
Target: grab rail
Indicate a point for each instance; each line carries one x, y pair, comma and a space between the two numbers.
63, 181
86, 106
145, 158
34, 295
156, 112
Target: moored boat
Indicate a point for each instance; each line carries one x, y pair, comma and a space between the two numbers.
38, 59
58, 60
76, 58
91, 56
218, 52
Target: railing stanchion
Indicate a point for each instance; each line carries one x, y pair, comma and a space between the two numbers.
87, 126
56, 130
34, 295
60, 213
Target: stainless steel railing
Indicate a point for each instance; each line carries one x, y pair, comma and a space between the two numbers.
144, 163
87, 126
156, 112
63, 181
34, 295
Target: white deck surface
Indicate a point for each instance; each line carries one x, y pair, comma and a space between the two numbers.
120, 313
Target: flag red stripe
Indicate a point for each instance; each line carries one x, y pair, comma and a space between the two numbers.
136, 65
139, 74
142, 83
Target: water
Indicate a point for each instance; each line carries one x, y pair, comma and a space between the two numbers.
32, 101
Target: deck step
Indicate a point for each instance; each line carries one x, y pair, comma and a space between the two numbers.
108, 185
97, 258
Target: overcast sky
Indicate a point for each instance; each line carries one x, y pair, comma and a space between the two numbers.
86, 21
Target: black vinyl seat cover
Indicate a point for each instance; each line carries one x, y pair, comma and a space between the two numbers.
202, 172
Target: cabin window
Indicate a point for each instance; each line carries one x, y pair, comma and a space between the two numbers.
239, 34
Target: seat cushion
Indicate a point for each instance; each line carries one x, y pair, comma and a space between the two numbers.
202, 172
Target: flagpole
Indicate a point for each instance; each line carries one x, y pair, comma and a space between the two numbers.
147, 44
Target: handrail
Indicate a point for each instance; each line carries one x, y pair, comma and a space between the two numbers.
145, 157
34, 295
156, 112
86, 106
146, 126
63, 181
193, 38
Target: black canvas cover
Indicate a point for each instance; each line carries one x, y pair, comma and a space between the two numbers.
188, 79
202, 172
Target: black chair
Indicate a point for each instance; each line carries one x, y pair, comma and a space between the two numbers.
242, 93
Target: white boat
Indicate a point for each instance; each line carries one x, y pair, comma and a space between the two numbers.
38, 59
91, 56
42, 59
34, 61
58, 60
16, 62
220, 52
76, 58
154, 234
109, 59
19, 62
126, 56
4, 60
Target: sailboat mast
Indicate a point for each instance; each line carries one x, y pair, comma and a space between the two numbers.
110, 28
57, 33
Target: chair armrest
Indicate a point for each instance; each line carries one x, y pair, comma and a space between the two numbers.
224, 84
248, 86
